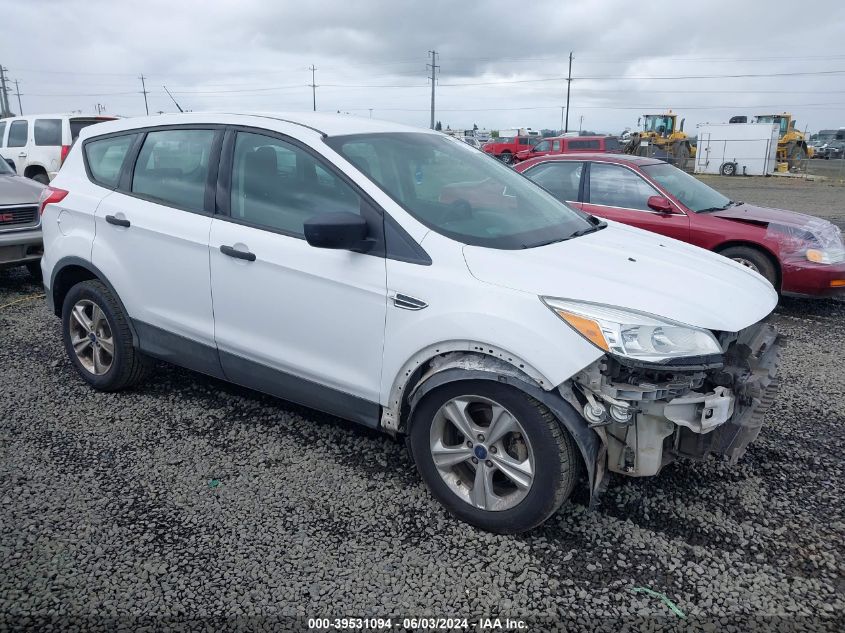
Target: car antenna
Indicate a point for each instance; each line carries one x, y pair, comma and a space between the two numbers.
174, 100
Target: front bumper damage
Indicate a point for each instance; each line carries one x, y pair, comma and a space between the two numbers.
647, 416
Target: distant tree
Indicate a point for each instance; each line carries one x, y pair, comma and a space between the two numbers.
494, 133
437, 126
545, 133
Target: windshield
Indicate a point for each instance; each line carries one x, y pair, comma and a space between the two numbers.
463, 194
693, 193
5, 169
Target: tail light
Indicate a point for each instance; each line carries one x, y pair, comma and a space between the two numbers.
50, 195
65, 150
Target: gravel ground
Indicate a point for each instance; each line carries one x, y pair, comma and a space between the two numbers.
187, 498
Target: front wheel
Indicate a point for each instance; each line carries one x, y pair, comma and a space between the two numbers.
506, 158
753, 259
493, 456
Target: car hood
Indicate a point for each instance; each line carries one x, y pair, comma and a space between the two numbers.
634, 269
18, 190
765, 215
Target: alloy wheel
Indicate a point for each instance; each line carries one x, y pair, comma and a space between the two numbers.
482, 453
91, 337
747, 263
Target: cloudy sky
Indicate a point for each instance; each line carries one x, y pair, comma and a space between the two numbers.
501, 61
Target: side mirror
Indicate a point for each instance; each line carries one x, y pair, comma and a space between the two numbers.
660, 204
343, 231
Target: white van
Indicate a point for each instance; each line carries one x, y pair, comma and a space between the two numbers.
36, 145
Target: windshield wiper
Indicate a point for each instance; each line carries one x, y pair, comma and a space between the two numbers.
592, 229
730, 203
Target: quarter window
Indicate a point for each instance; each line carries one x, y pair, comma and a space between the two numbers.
279, 186
18, 131
561, 179
2, 132
615, 186
555, 146
48, 132
105, 158
173, 167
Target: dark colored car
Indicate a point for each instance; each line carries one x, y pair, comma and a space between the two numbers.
799, 254
20, 223
571, 145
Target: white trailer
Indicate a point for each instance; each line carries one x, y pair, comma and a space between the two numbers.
732, 149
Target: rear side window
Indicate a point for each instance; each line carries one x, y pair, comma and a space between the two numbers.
77, 125
2, 132
105, 157
18, 131
172, 167
48, 132
611, 144
561, 179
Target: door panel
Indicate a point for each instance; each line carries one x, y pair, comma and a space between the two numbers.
618, 193
314, 314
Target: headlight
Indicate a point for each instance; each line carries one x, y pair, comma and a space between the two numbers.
631, 334
825, 255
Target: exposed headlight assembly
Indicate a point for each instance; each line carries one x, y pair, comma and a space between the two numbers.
825, 255
634, 335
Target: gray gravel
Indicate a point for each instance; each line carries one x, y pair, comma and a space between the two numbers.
188, 499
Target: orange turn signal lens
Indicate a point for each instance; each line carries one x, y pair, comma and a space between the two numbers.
837, 283
588, 328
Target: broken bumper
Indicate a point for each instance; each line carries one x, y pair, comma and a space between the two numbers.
648, 416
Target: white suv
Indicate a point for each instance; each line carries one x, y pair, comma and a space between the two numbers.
400, 279
36, 146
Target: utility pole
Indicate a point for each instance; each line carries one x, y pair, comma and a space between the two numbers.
371, 112
568, 86
313, 85
144, 92
580, 123
562, 108
4, 95
100, 108
433, 65
18, 92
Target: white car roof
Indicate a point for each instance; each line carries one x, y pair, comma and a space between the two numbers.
322, 123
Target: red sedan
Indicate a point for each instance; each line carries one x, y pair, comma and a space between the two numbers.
799, 254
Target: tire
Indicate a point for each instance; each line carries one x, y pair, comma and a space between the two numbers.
728, 169
34, 269
127, 366
506, 158
41, 177
681, 155
538, 443
754, 259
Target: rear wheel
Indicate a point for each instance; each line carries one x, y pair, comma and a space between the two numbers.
41, 177
754, 259
98, 340
681, 155
493, 456
728, 169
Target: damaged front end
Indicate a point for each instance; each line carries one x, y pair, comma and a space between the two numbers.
649, 414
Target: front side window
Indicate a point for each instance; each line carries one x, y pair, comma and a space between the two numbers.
693, 193
18, 131
542, 146
279, 186
615, 186
460, 193
172, 167
105, 158
562, 179
48, 132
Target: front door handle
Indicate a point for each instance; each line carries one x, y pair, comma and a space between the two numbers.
233, 252
117, 221
22, 155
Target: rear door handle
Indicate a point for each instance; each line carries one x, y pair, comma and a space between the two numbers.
233, 252
117, 221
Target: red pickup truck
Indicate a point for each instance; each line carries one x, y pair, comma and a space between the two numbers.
505, 148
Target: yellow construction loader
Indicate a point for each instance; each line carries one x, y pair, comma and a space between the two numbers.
662, 136
792, 144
